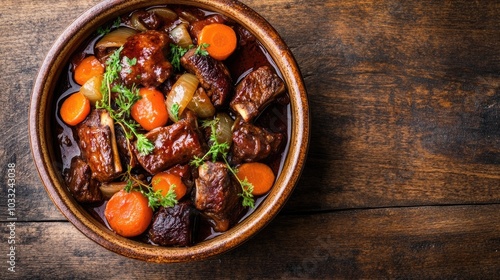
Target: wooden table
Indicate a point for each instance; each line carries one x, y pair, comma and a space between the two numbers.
403, 173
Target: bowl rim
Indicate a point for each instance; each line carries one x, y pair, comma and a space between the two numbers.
40, 136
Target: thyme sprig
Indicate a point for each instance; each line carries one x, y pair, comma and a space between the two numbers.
120, 113
125, 99
155, 198
220, 150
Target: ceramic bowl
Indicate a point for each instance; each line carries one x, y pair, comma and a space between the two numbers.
43, 143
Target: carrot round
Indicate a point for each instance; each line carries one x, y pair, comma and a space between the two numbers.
75, 109
128, 213
88, 68
221, 40
150, 111
164, 181
258, 174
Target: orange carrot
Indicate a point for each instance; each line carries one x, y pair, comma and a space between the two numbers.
164, 181
221, 40
258, 174
128, 213
150, 111
88, 68
75, 109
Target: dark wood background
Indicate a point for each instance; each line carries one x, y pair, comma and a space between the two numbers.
403, 173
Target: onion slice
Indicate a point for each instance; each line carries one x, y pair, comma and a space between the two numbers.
201, 105
224, 128
92, 89
115, 38
180, 95
180, 36
164, 13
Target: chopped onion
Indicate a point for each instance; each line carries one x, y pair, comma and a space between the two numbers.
224, 130
180, 36
115, 38
201, 104
164, 13
92, 89
180, 95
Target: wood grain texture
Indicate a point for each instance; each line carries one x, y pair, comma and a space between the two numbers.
403, 174
406, 243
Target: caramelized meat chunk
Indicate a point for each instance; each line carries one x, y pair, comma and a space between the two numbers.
143, 59
174, 226
80, 183
213, 75
98, 145
174, 144
255, 91
216, 195
252, 143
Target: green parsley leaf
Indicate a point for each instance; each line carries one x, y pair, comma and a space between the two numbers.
202, 49
176, 52
175, 111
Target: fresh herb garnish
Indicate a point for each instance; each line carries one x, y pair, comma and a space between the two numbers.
155, 198
202, 49
176, 52
175, 111
218, 150
125, 99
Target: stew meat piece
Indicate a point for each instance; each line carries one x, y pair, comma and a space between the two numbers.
253, 143
80, 183
174, 226
213, 75
174, 144
97, 142
143, 59
255, 91
216, 195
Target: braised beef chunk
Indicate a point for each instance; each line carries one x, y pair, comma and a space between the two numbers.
174, 226
255, 91
174, 144
98, 145
252, 143
216, 196
143, 59
213, 75
80, 183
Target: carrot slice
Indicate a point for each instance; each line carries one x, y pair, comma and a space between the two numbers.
88, 68
164, 181
75, 109
221, 40
128, 213
258, 174
150, 111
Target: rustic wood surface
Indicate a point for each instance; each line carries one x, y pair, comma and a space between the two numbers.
403, 174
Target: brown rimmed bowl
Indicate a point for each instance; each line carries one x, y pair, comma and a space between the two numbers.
43, 145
